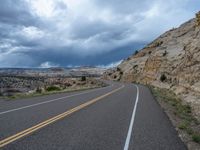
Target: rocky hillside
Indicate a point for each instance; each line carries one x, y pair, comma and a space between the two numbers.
171, 61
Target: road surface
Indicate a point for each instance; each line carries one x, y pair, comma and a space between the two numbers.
118, 117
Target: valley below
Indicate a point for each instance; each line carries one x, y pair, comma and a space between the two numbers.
16, 83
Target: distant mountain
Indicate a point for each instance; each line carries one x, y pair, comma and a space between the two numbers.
171, 61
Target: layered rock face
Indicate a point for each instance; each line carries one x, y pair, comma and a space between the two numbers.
172, 61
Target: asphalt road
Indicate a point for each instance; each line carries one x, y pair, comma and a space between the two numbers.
118, 117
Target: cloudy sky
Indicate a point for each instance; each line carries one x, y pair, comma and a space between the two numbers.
44, 33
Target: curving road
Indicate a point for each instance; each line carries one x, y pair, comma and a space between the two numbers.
118, 117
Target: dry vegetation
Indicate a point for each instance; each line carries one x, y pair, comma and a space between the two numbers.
181, 116
198, 19
16, 86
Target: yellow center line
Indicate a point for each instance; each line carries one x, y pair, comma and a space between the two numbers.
30, 130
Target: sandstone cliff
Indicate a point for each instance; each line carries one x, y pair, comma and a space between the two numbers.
171, 61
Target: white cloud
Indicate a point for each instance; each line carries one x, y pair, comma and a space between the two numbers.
111, 65
32, 32
48, 65
43, 8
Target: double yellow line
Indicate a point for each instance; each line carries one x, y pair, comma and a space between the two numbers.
52, 120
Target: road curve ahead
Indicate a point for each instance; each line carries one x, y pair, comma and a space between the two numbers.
118, 117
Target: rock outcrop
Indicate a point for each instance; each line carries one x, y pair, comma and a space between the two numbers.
172, 61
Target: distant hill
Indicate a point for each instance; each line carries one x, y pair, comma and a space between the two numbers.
54, 71
171, 61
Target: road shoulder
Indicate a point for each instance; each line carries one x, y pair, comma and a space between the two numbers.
152, 128
181, 117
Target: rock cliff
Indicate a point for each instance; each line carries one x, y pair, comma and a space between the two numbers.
171, 61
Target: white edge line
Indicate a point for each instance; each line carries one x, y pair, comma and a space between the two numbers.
28, 106
128, 138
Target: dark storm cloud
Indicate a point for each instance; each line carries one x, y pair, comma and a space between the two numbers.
42, 33
68, 59
16, 12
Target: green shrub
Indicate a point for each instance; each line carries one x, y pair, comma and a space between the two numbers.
83, 78
53, 88
135, 66
190, 131
183, 125
163, 78
157, 44
118, 69
196, 138
128, 58
136, 52
187, 108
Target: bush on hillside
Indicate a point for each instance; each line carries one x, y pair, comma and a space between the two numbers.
136, 52
158, 43
163, 78
198, 19
165, 53
118, 69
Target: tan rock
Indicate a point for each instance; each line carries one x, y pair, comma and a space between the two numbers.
171, 61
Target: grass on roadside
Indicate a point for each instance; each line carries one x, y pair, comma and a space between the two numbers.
53, 88
180, 110
196, 138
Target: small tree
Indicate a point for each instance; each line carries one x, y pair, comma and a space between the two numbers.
163, 78
83, 78
136, 52
198, 19
118, 69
